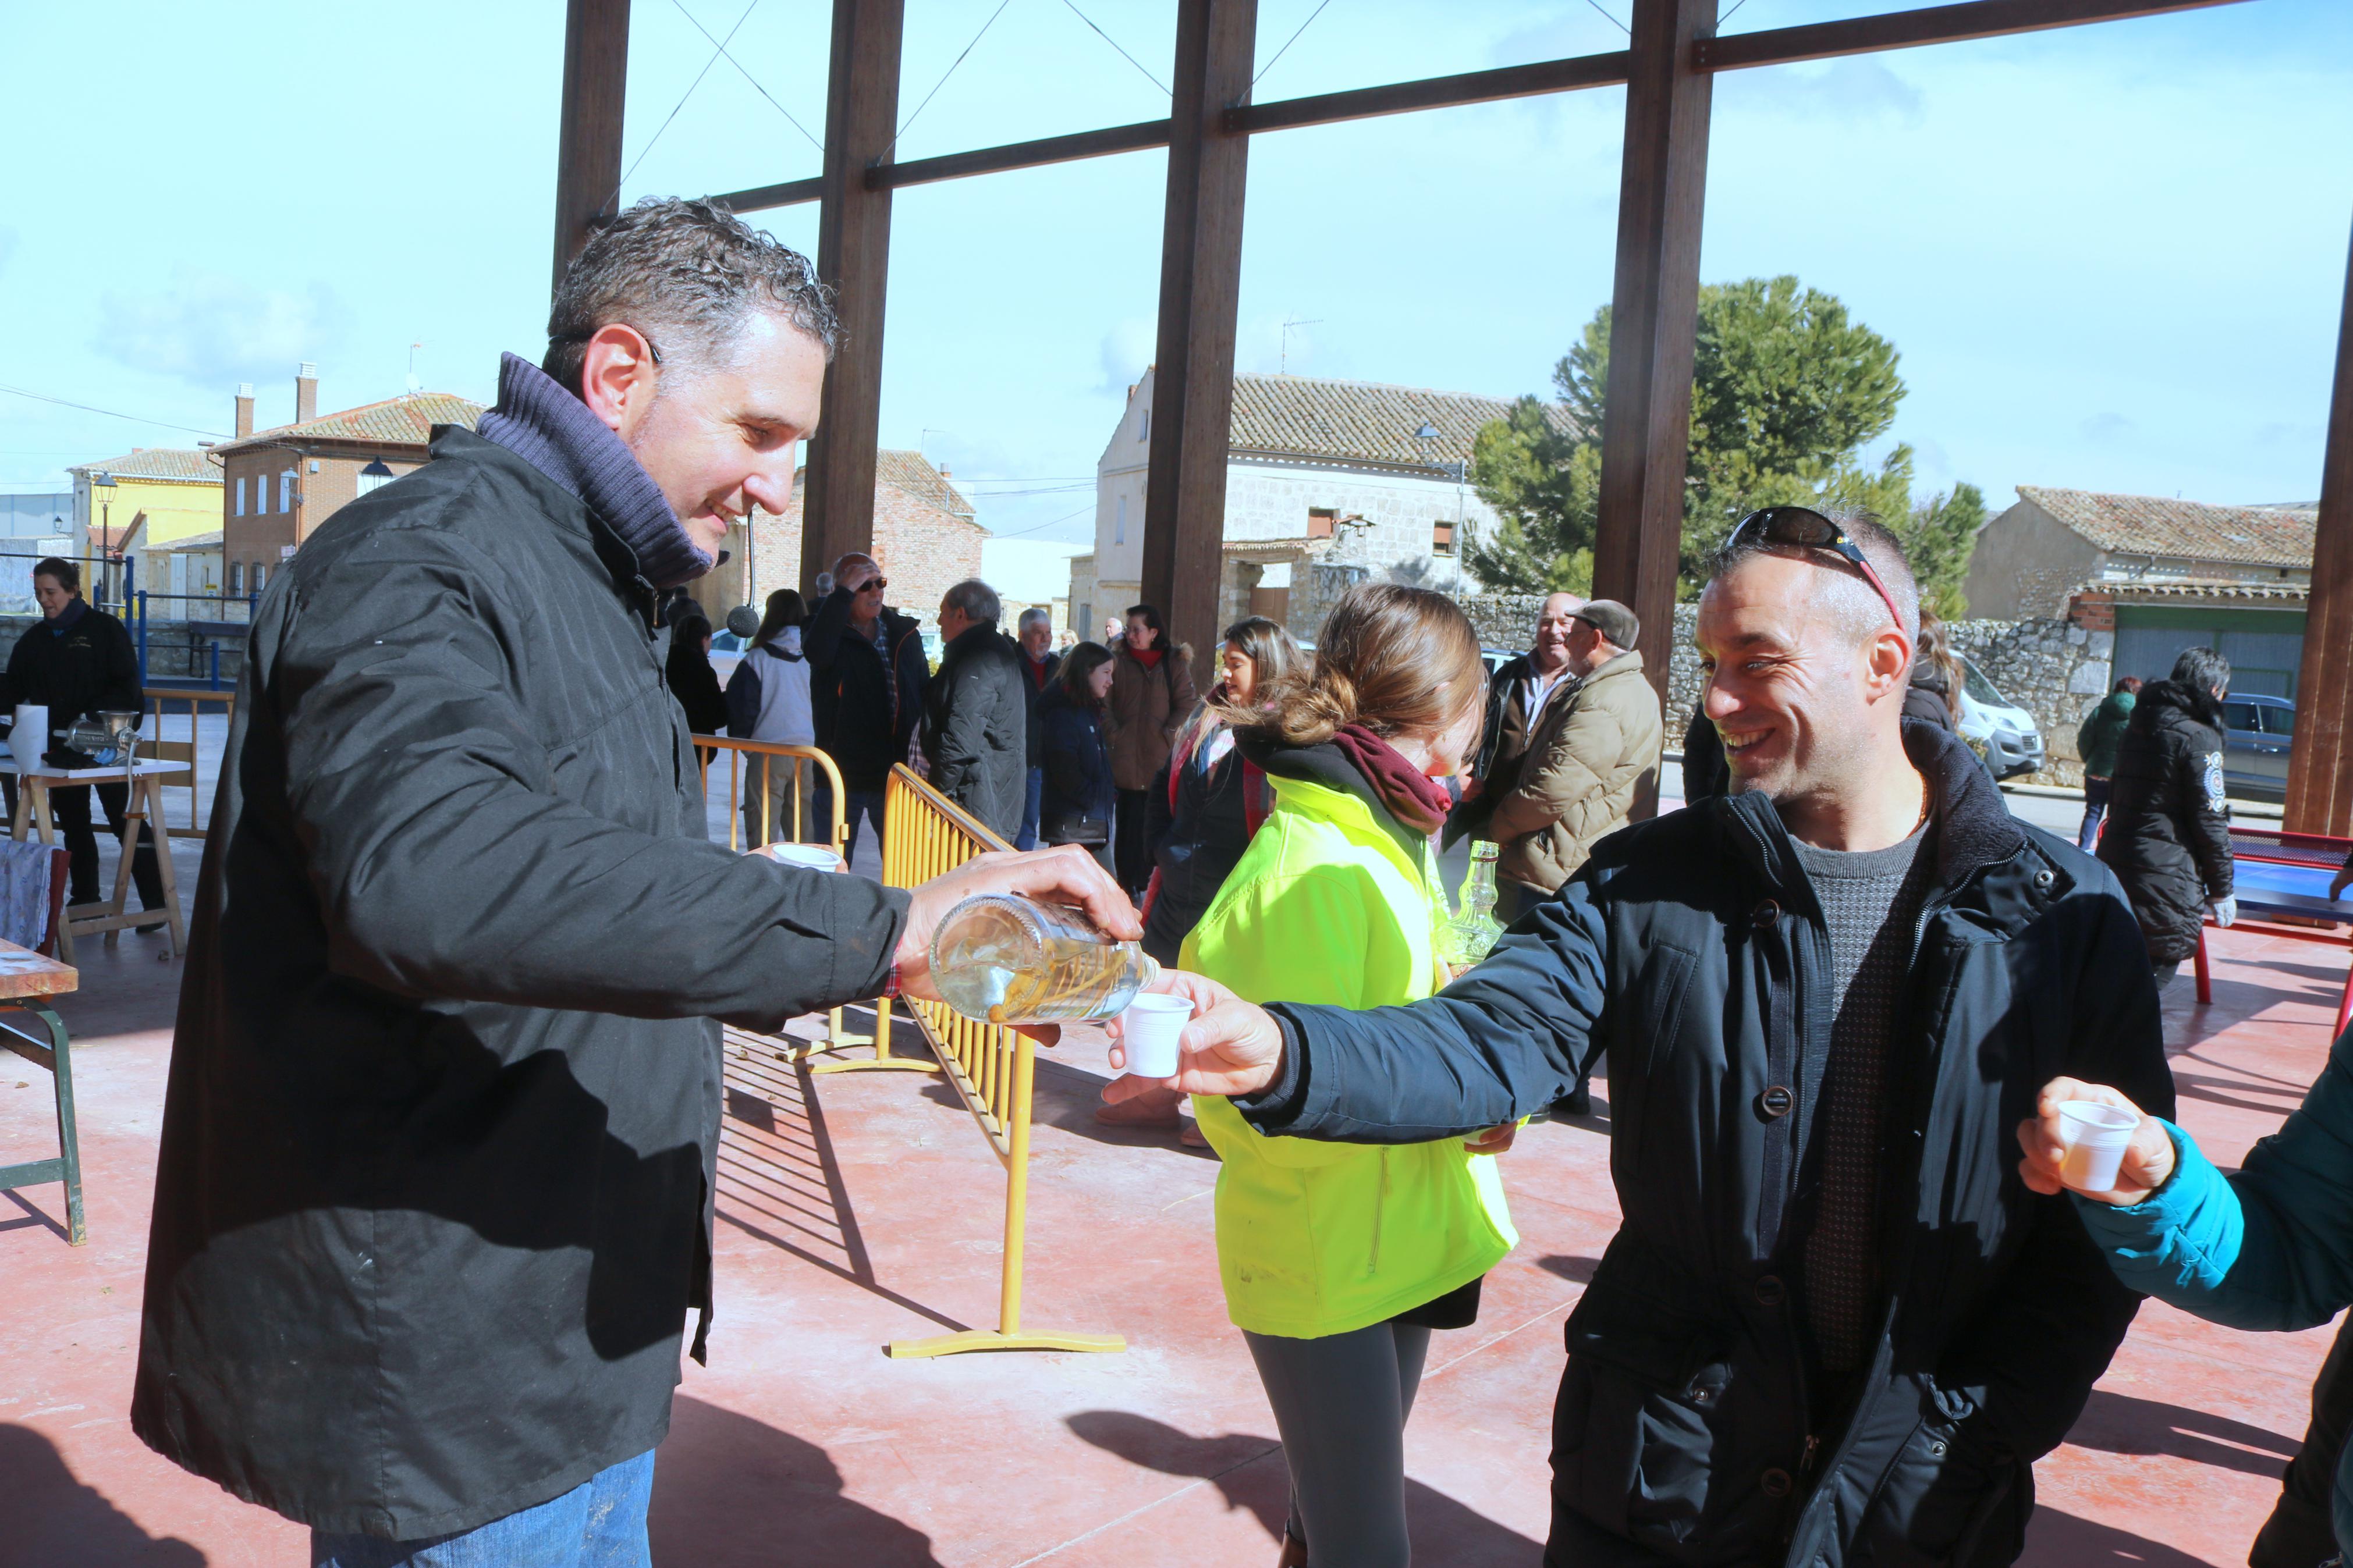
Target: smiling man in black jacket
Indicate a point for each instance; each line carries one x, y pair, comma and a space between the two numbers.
1834, 1327
434, 1199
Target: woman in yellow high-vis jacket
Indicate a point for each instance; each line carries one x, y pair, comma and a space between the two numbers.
1338, 1260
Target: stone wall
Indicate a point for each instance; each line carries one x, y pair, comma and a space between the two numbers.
2056, 670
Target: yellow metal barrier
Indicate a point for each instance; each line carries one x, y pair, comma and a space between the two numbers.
164, 751
924, 835
838, 1035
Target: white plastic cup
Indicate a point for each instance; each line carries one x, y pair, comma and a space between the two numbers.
2096, 1136
809, 856
30, 737
1149, 1031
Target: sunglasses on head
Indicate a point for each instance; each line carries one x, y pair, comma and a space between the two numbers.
1810, 530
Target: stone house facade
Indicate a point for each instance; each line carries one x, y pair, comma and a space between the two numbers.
1327, 483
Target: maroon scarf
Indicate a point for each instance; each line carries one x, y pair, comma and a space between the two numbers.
1410, 795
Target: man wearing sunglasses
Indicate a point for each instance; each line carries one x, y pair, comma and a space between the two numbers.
867, 674
1834, 1327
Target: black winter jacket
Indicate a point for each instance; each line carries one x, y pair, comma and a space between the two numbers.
865, 712
976, 728
434, 1194
1196, 846
1037, 678
2169, 833
1691, 953
1078, 784
88, 667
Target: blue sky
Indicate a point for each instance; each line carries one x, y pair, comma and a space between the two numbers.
2113, 257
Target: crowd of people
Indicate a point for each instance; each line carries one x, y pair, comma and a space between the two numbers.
434, 1195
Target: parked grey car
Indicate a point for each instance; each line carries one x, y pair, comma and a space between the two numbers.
2254, 759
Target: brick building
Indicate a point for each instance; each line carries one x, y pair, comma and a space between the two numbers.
925, 536
279, 485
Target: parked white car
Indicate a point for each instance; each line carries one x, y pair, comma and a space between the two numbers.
2013, 743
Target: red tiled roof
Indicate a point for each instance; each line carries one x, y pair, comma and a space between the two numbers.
395, 421
2153, 525
176, 465
1359, 421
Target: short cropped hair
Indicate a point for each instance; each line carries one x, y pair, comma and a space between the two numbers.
67, 574
974, 599
687, 274
1036, 615
1859, 606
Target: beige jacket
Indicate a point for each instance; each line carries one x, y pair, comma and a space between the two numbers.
1145, 707
1584, 761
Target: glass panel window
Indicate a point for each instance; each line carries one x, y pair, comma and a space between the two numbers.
240, 498
236, 573
286, 491
2279, 721
2241, 716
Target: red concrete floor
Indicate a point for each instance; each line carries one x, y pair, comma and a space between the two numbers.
859, 1209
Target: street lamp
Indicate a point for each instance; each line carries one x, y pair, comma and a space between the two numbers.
102, 493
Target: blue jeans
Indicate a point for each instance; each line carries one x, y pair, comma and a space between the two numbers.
600, 1523
1027, 839
2096, 805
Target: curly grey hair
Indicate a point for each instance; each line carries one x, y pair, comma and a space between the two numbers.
687, 274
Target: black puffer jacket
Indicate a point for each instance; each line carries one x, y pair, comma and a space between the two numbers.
2169, 833
434, 1194
866, 707
1692, 950
88, 666
976, 728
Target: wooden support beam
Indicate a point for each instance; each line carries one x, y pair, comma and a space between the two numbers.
1926, 24
1024, 154
1653, 321
1436, 92
2320, 767
588, 137
1201, 296
853, 254
789, 194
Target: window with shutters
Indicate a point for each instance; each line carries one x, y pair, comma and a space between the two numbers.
1442, 538
235, 575
286, 491
240, 498
1321, 520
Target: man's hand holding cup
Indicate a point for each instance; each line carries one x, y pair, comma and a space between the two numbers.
1229, 1046
2087, 1138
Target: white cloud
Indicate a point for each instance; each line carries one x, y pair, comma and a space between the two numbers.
1126, 351
1852, 91
213, 330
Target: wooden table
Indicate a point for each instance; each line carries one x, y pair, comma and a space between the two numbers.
27, 983
145, 779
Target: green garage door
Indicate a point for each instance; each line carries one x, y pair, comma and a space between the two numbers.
2266, 647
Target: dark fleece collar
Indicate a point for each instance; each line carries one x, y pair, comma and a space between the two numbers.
1973, 822
2160, 695
551, 429
1329, 766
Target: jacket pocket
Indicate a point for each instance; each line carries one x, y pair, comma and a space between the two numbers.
1951, 1498
1641, 1436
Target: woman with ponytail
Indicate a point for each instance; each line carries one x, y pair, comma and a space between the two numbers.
1339, 1259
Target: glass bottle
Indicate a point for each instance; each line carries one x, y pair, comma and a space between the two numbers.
1473, 930
1004, 959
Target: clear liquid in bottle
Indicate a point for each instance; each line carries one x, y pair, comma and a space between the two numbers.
1004, 959
1468, 937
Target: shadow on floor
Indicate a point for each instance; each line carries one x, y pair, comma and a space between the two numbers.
2198, 1086
1576, 1270
730, 1492
48, 1518
1249, 1470
2053, 1539
2120, 1424
1066, 1098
